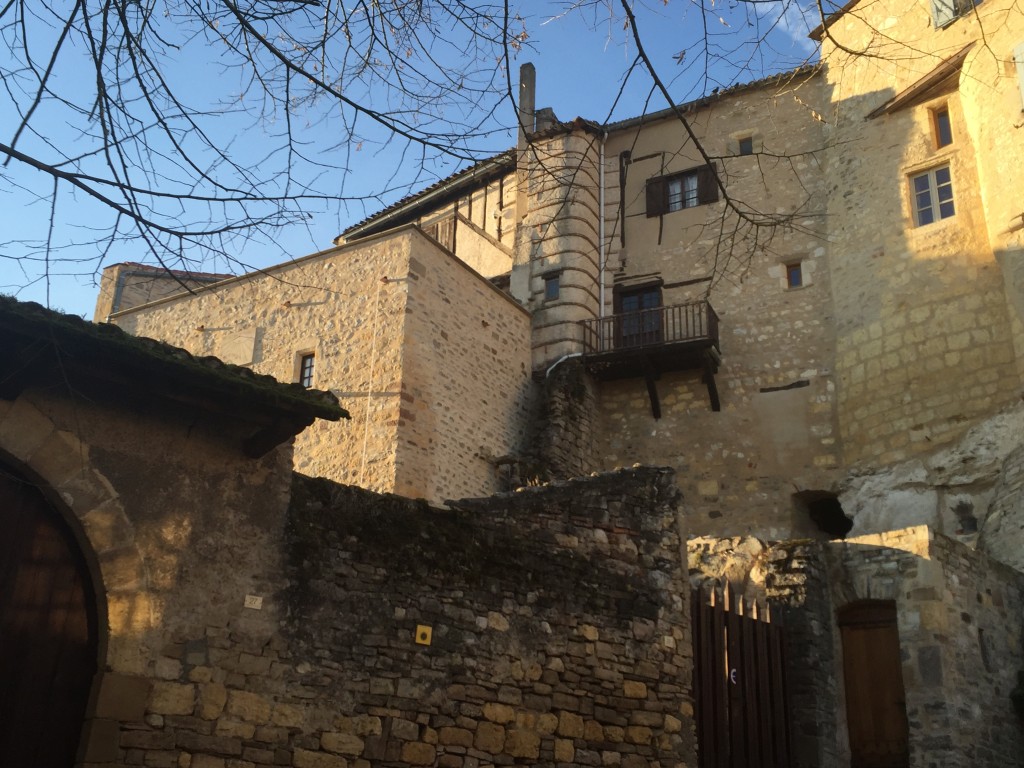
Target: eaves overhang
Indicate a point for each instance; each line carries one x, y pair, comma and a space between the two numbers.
410, 208
51, 351
942, 79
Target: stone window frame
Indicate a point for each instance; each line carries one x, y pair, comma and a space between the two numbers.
933, 178
735, 142
794, 269
552, 285
942, 125
305, 367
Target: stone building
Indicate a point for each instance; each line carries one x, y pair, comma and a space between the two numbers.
830, 288
173, 595
816, 322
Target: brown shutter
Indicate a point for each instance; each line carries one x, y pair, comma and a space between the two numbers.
707, 185
656, 197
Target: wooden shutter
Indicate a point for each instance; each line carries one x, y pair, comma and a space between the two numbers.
657, 196
707, 185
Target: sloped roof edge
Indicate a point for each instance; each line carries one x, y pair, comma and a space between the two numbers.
41, 341
819, 31
923, 86
406, 209
805, 70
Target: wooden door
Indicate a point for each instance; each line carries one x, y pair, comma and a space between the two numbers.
875, 703
639, 313
47, 631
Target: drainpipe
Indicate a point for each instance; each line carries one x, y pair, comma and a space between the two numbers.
561, 360
602, 250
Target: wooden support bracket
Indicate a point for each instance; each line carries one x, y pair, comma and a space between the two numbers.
710, 366
650, 376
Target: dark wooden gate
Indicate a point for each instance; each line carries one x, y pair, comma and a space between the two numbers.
47, 631
738, 682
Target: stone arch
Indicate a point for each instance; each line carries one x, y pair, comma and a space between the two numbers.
58, 461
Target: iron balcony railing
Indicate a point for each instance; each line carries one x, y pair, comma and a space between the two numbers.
695, 321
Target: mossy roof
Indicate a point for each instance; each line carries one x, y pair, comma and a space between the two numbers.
40, 343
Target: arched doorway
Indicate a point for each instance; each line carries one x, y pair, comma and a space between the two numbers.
48, 630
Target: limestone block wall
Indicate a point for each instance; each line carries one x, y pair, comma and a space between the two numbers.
466, 392
559, 238
960, 630
776, 433
129, 285
336, 306
177, 528
539, 628
959, 625
917, 308
430, 360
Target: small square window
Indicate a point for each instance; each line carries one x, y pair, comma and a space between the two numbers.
551, 286
747, 145
306, 370
932, 195
794, 275
942, 127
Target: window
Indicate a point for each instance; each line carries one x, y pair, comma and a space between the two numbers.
638, 320
551, 286
697, 186
933, 195
941, 126
747, 145
306, 370
794, 275
947, 11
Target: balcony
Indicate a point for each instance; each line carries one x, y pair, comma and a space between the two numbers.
655, 341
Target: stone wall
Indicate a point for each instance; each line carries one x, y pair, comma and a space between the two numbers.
960, 628
342, 307
430, 360
961, 635
466, 391
557, 634
564, 432
177, 527
558, 239
776, 432
540, 627
129, 285
919, 307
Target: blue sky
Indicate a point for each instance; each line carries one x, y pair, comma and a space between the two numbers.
581, 54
